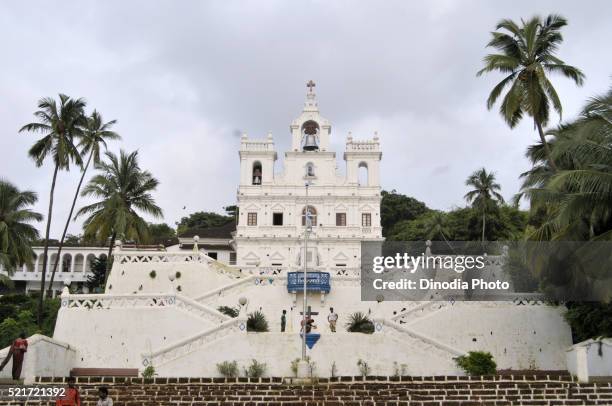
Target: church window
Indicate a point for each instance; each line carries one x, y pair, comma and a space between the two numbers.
363, 174
341, 219
257, 173
213, 255
232, 260
252, 219
366, 219
312, 214
277, 219
310, 169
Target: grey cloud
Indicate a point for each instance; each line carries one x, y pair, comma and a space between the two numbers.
184, 78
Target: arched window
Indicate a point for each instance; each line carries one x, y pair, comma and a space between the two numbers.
312, 214
256, 173
66, 262
78, 263
362, 178
310, 169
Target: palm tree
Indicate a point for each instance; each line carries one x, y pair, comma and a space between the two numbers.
527, 54
16, 232
578, 196
94, 137
59, 125
124, 191
436, 226
485, 194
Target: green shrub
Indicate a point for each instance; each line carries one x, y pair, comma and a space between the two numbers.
19, 315
364, 368
589, 320
228, 369
477, 363
229, 311
359, 323
255, 370
149, 372
257, 322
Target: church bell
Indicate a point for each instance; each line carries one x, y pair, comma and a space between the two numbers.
310, 143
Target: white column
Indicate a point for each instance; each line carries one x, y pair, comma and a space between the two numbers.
582, 364
72, 261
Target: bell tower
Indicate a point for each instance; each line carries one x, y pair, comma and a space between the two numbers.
310, 131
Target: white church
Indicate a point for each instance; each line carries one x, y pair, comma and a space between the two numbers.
160, 307
345, 209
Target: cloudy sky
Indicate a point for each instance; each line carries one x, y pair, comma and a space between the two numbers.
184, 78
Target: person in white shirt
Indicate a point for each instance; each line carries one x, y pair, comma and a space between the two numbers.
104, 400
332, 319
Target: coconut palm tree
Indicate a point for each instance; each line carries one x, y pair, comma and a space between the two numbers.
123, 190
16, 231
578, 196
60, 124
485, 193
94, 137
527, 55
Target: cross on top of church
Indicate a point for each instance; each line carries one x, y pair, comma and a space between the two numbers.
310, 85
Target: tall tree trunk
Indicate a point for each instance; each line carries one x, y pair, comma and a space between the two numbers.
483, 225
61, 244
46, 250
549, 158
109, 262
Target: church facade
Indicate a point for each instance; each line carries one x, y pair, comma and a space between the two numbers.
342, 207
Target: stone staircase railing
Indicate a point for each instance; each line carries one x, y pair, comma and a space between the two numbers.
418, 312
106, 301
427, 344
195, 342
139, 257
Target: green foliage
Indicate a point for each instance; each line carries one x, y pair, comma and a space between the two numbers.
255, 369
364, 368
95, 281
228, 369
396, 207
589, 320
17, 315
257, 322
202, 219
16, 232
477, 363
123, 191
229, 311
463, 224
161, 233
360, 323
149, 372
526, 56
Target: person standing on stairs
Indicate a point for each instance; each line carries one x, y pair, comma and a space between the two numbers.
283, 320
332, 319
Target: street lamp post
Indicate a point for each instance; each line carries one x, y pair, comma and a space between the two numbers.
308, 225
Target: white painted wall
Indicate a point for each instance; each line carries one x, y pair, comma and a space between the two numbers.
45, 357
277, 350
590, 358
116, 338
519, 337
131, 275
